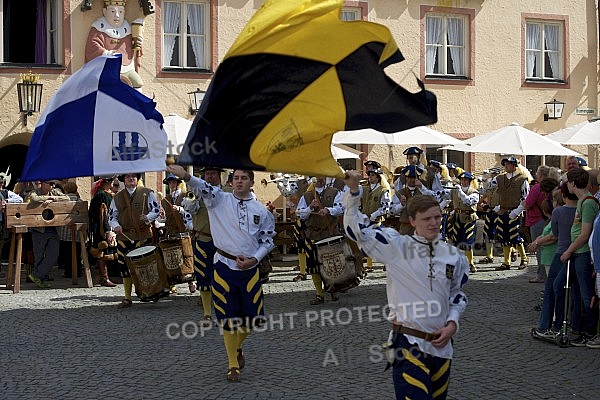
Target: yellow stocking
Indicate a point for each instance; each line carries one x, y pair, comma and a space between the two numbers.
302, 262
206, 297
369, 263
506, 253
242, 335
489, 249
469, 254
231, 342
127, 286
318, 282
521, 250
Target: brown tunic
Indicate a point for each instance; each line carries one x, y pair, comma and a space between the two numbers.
318, 227
509, 191
174, 223
130, 209
371, 200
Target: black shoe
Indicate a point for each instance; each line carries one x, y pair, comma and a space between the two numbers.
581, 341
502, 267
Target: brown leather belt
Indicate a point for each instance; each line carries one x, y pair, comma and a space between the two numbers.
414, 332
226, 255
464, 211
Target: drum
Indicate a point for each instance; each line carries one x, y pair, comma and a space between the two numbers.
340, 263
148, 273
264, 269
178, 257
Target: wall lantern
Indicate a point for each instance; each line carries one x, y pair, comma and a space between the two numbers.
30, 95
555, 109
147, 7
86, 5
196, 98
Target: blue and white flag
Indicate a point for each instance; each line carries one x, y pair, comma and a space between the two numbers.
96, 125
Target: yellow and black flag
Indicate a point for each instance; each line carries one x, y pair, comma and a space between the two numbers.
296, 75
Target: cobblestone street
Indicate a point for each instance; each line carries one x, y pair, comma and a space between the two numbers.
73, 343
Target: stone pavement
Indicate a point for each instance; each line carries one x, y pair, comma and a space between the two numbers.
73, 343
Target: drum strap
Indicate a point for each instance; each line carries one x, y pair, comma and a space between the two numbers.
102, 217
414, 332
226, 255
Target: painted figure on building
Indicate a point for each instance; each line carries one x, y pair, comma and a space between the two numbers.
112, 34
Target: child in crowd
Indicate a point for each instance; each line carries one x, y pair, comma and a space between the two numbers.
563, 214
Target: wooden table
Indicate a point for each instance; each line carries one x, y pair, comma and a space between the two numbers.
284, 233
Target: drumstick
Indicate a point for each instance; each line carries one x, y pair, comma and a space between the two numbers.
127, 237
144, 204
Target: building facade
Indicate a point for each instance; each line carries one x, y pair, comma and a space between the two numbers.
489, 62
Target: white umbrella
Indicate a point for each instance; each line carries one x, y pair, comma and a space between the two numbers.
339, 151
465, 145
414, 136
514, 139
584, 133
177, 129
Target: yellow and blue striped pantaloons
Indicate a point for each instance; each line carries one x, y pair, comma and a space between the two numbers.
418, 375
204, 255
237, 297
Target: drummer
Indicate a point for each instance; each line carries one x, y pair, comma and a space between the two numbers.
318, 218
130, 216
177, 219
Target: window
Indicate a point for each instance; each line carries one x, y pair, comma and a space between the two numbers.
31, 32
533, 162
446, 39
351, 14
353, 11
186, 34
543, 51
435, 152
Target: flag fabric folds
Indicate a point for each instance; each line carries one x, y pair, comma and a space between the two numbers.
96, 125
294, 76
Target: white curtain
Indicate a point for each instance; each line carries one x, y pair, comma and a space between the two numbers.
172, 14
551, 39
455, 40
195, 20
532, 44
433, 27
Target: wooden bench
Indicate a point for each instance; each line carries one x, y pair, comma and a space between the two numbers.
20, 217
